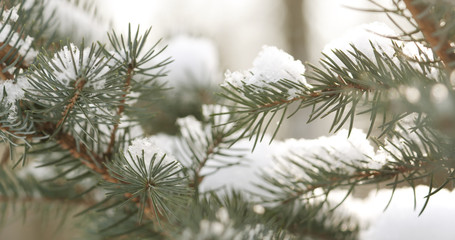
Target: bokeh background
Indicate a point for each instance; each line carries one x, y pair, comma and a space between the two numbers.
207, 37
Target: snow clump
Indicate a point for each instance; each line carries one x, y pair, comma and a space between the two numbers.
333, 153
270, 66
23, 45
65, 71
14, 91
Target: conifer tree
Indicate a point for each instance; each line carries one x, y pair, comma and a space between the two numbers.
72, 114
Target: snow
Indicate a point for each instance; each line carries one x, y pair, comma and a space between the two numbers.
270, 66
417, 52
149, 148
195, 61
191, 128
65, 71
22, 44
363, 37
11, 14
334, 153
165, 142
405, 129
400, 220
75, 21
134, 128
14, 92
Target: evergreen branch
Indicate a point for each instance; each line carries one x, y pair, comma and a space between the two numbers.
149, 183
78, 85
92, 160
347, 82
327, 92
441, 46
250, 107
358, 177
208, 154
313, 220
207, 143
410, 154
69, 143
16, 133
120, 109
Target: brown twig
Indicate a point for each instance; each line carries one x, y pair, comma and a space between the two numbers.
121, 108
78, 87
428, 28
87, 157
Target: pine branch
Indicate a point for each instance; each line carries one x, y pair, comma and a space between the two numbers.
410, 154
441, 46
121, 108
208, 154
78, 85
94, 162
69, 143
358, 177
90, 159
207, 143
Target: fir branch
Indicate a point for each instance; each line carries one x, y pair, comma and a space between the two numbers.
441, 46
208, 154
94, 161
78, 85
120, 109
16, 133
207, 144
358, 177
69, 143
